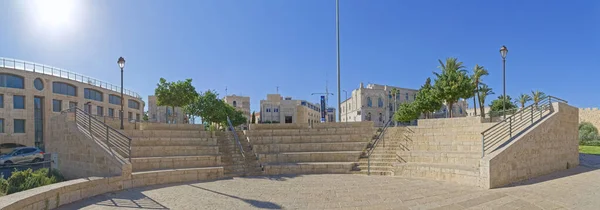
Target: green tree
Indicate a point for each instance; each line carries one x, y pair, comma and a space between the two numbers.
453, 82
145, 118
175, 94
497, 105
406, 112
537, 96
523, 99
478, 73
427, 100
253, 117
587, 132
484, 92
235, 116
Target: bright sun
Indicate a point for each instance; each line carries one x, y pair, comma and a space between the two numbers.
54, 14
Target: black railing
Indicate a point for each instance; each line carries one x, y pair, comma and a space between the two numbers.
235, 137
371, 147
105, 135
512, 126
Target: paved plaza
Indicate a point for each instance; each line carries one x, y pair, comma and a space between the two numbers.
576, 188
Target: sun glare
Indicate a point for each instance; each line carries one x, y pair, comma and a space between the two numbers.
54, 14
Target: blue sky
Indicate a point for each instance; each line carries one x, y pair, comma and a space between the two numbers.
251, 47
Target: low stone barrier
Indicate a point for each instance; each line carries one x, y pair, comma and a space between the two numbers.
55, 195
306, 125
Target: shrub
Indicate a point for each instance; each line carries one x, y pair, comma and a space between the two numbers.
29, 179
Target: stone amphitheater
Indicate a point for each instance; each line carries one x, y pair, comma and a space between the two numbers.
441, 163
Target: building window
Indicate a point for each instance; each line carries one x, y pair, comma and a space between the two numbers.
414, 97
100, 111
369, 102
380, 117
137, 117
133, 104
64, 89
1, 125
19, 126
113, 99
460, 110
1, 101
72, 104
268, 110
12, 81
129, 116
38, 84
18, 102
111, 112
380, 102
56, 105
92, 94
234, 104
406, 96
276, 110
369, 116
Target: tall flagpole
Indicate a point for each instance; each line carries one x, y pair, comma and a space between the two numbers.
337, 32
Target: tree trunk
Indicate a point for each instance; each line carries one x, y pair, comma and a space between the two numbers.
450, 108
172, 114
474, 105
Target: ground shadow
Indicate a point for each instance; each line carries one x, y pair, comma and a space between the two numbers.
588, 163
135, 200
281, 177
254, 203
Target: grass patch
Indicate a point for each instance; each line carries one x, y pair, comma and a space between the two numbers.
592, 150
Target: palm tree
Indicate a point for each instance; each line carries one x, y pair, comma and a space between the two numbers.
523, 99
484, 91
537, 96
453, 82
478, 72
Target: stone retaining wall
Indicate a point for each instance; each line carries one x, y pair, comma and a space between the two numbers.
306, 125
549, 146
591, 115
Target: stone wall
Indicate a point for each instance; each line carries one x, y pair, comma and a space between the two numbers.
549, 146
306, 125
78, 155
591, 115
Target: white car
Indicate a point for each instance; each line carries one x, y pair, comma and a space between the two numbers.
22, 155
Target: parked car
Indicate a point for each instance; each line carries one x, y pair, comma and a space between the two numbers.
22, 155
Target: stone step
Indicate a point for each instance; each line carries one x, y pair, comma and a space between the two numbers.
168, 133
449, 157
440, 145
162, 151
376, 163
374, 172
306, 132
176, 175
374, 159
308, 168
309, 139
292, 157
375, 155
166, 141
462, 174
376, 168
307, 147
173, 162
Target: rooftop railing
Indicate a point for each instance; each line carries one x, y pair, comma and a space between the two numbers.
57, 72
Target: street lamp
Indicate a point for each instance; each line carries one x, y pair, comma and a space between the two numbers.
121, 63
503, 52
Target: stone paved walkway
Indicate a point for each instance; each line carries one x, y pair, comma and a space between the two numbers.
577, 188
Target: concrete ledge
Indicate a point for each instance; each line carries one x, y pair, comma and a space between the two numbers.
55, 195
164, 126
309, 168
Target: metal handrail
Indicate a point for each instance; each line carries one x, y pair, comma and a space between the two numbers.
375, 143
517, 123
236, 138
58, 72
120, 142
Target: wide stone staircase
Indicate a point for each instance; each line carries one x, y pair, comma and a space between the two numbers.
299, 149
191, 152
383, 157
234, 163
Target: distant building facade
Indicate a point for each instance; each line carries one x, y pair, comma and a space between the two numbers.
241, 103
330, 114
160, 114
276, 109
376, 103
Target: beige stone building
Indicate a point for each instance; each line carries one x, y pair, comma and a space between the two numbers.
160, 114
331, 115
376, 103
241, 103
31, 94
277, 109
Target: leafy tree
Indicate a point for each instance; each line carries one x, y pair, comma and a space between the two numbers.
478, 72
253, 117
587, 132
523, 99
145, 118
406, 112
497, 105
537, 96
427, 101
453, 82
484, 92
235, 116
175, 94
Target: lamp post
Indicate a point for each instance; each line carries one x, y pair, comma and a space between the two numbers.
346, 101
121, 63
503, 52
337, 35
